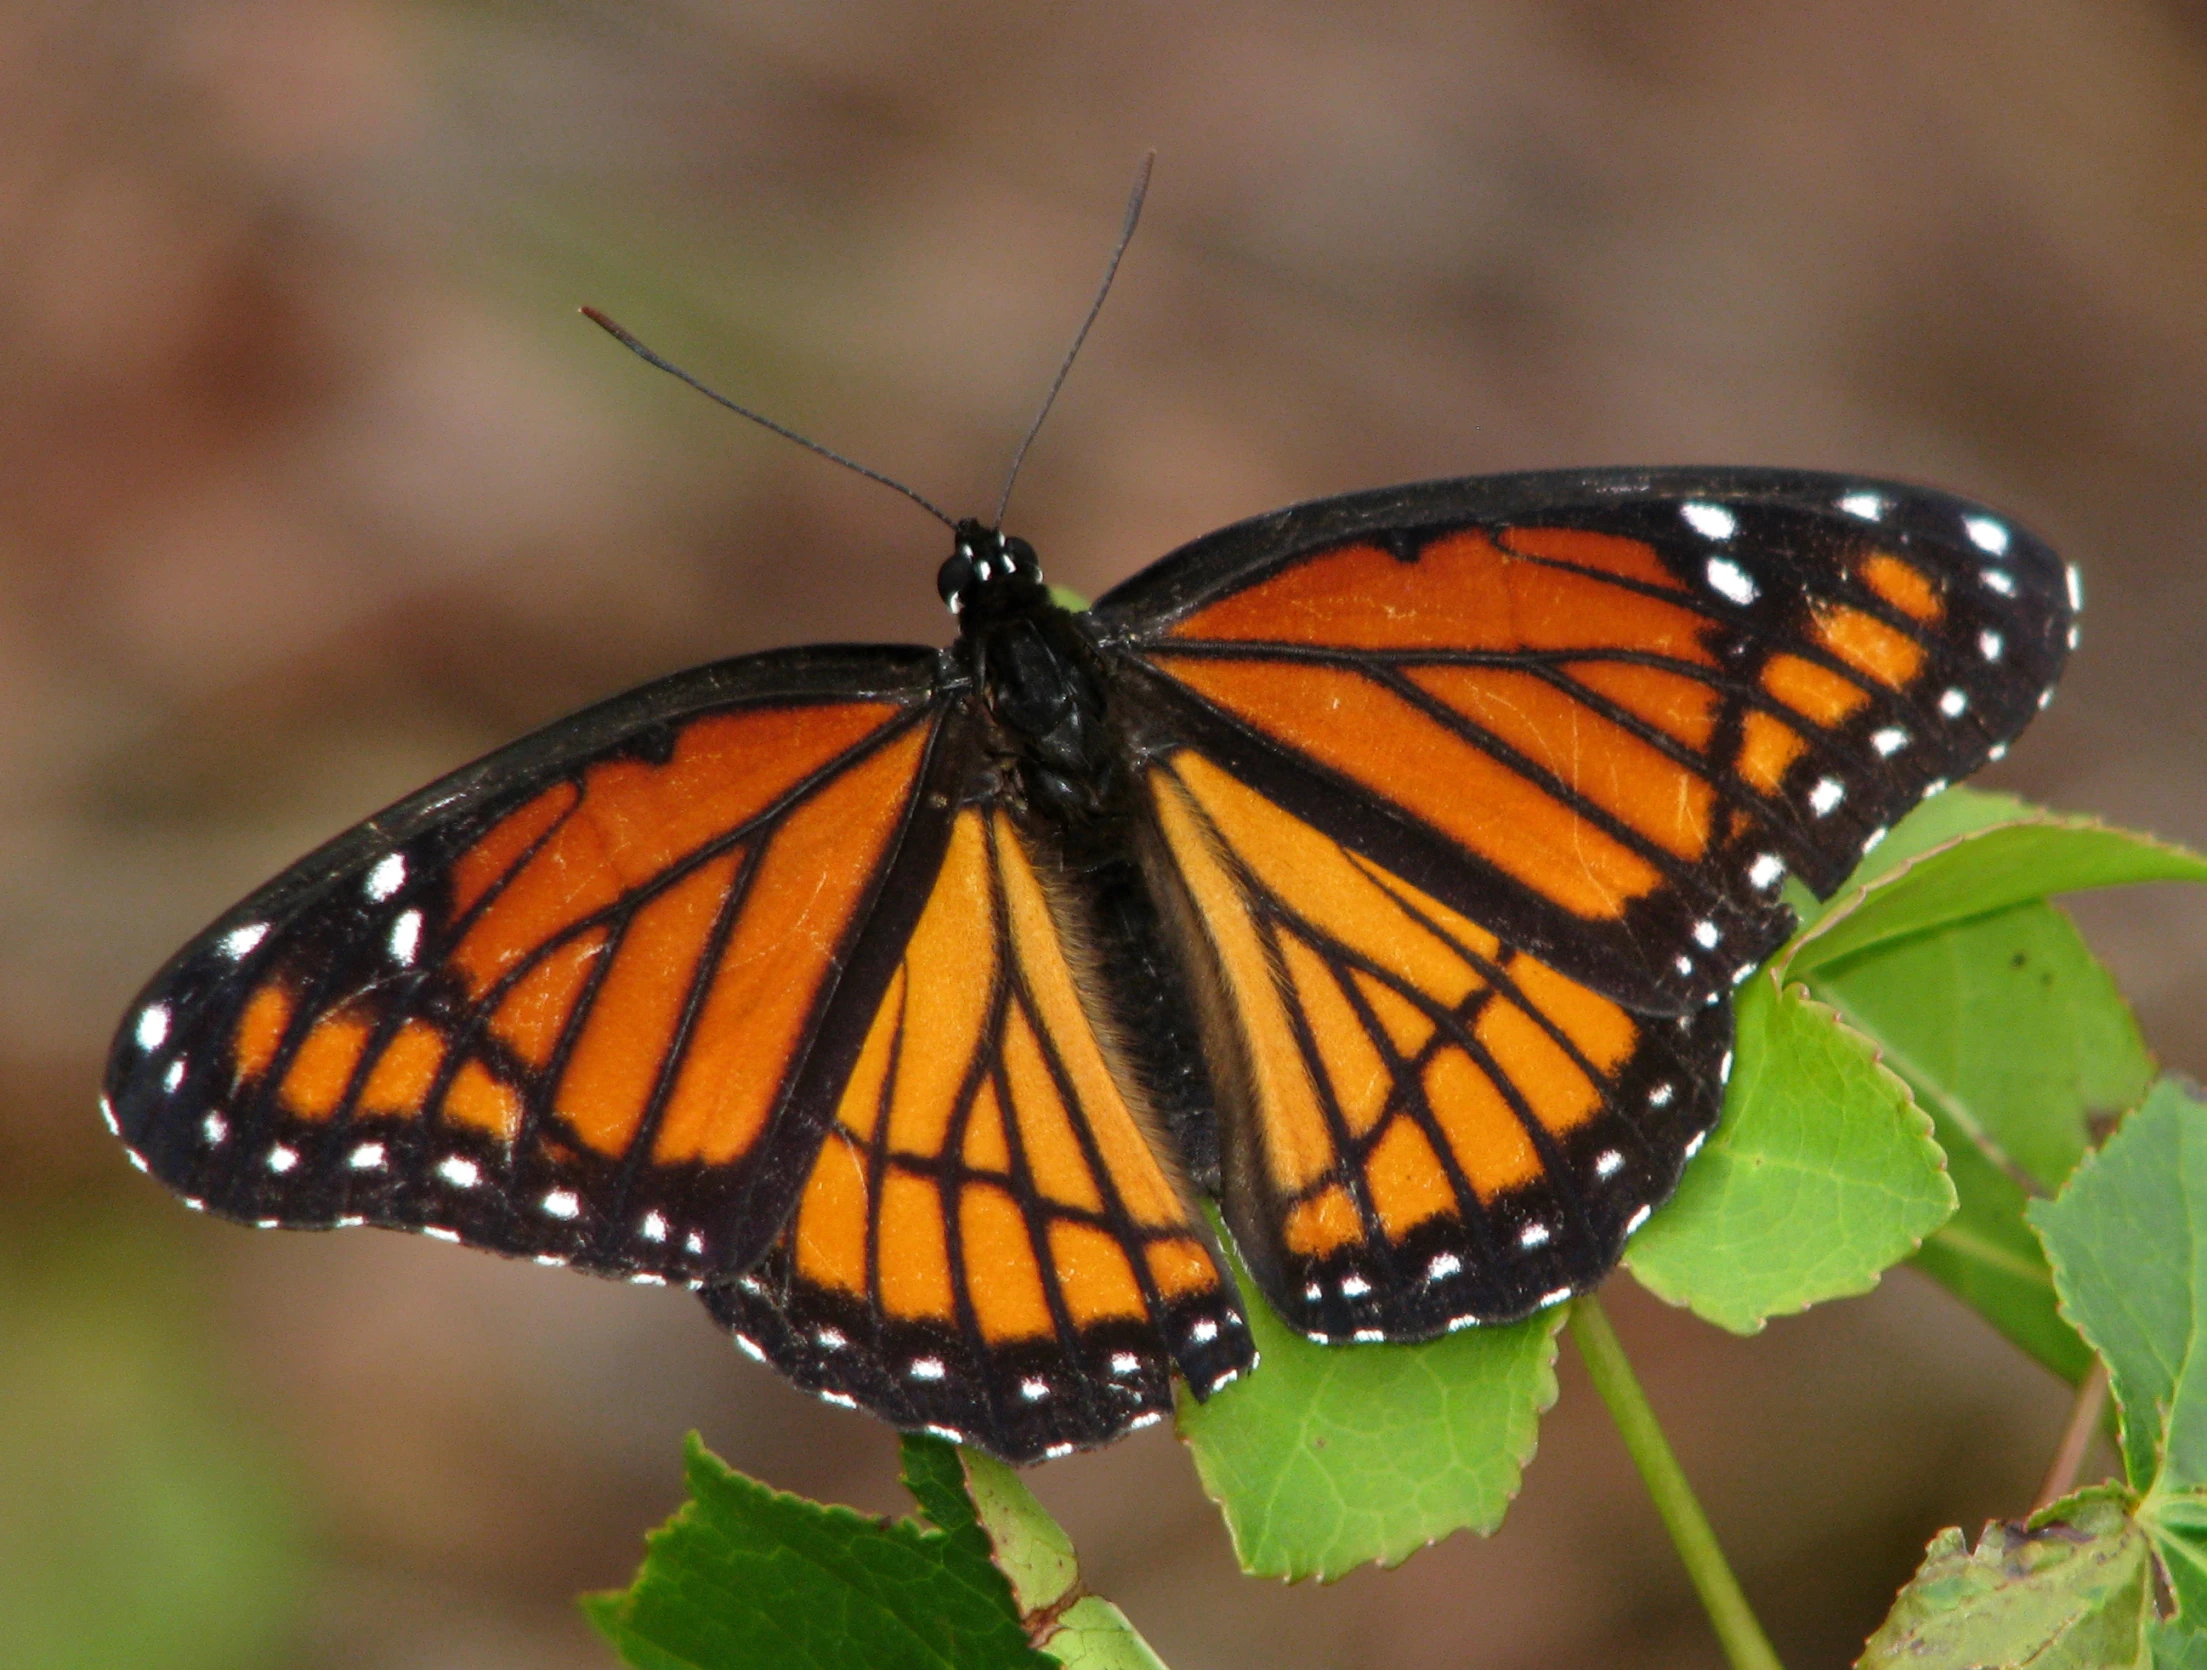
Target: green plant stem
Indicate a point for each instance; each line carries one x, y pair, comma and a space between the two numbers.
1741, 1636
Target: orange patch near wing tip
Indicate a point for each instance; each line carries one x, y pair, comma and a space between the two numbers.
1903, 585
1868, 645
323, 1066
260, 1029
1768, 748
1818, 694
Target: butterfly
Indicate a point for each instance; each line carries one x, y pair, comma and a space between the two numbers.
1378, 868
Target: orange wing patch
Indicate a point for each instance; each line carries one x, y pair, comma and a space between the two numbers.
1400, 1065
1003, 1119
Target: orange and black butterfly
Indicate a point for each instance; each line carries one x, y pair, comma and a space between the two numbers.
1379, 867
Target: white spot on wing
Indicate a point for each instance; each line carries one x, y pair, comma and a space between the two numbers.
1999, 580
562, 1203
239, 942
1204, 1331
925, 1368
174, 1076
463, 1173
831, 1339
1706, 935
1660, 1096
749, 1347
693, 1242
1058, 1452
2076, 587
1987, 535
1694, 1147
1443, 1266
1638, 1218
1148, 1417
842, 1400
1354, 1287
1871, 840
282, 1159
1555, 1298
654, 1227
153, 1026
1732, 580
406, 936
388, 876
1989, 645
367, 1157
1868, 506
1125, 1362
1533, 1235
1826, 796
435, 1233
1034, 1391
1767, 870
1889, 741
1608, 1162
1370, 1336
1954, 703
1711, 521
214, 1128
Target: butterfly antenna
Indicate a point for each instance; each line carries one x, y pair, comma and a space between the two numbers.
637, 348
1111, 271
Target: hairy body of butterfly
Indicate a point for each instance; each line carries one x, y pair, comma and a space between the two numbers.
1378, 867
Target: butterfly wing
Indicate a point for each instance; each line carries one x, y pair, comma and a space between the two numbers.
990, 1242
1474, 797
580, 1000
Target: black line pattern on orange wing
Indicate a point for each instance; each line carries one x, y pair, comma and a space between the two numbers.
1072, 1381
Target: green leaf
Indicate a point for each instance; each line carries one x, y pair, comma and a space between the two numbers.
2070, 1590
2006, 864
2012, 1035
2176, 1647
2008, 1027
1987, 1257
744, 1576
1332, 1456
1030, 1548
1821, 1174
2128, 1242
1079, 1630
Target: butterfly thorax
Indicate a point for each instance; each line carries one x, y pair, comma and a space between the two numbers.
1036, 678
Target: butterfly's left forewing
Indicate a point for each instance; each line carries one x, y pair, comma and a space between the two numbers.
559, 1004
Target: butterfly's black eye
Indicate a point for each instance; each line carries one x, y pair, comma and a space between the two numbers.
1021, 558
956, 575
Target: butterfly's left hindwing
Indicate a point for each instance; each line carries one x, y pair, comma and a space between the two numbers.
556, 1004
991, 1242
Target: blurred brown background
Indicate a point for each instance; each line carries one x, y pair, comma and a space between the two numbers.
312, 485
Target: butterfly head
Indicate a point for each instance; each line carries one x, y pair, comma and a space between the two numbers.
986, 570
